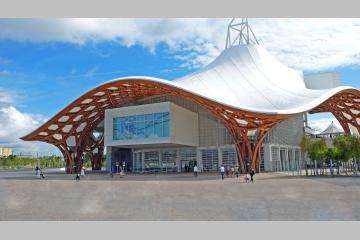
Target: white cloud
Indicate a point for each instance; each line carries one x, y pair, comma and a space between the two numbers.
15, 124
308, 44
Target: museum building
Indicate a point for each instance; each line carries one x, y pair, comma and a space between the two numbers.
245, 109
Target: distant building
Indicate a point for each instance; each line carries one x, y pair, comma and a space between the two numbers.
5, 152
310, 132
331, 131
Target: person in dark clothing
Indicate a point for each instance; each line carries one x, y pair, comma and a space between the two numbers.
77, 177
41, 173
112, 170
252, 173
237, 172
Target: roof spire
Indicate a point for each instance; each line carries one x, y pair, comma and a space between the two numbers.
240, 33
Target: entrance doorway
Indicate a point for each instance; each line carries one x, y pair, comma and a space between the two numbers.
122, 157
187, 165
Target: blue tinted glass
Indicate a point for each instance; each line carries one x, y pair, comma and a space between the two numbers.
166, 116
140, 118
132, 127
149, 117
166, 126
158, 129
158, 116
140, 130
149, 129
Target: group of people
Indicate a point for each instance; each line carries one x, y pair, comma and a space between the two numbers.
39, 172
114, 170
229, 171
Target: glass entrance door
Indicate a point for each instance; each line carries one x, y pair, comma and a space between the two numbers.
187, 160
187, 165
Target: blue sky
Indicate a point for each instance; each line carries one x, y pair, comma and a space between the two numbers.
49, 76
46, 64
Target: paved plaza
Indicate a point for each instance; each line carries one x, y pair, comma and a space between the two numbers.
273, 196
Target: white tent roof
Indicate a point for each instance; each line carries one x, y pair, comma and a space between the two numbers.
331, 129
247, 77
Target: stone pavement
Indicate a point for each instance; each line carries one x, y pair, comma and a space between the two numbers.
272, 196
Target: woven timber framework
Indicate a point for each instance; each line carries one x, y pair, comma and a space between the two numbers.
71, 130
345, 106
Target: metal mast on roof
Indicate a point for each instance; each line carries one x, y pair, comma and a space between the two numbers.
240, 33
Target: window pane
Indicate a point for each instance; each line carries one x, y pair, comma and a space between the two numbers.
140, 129
166, 129
132, 127
149, 117
166, 116
158, 117
149, 129
140, 118
158, 129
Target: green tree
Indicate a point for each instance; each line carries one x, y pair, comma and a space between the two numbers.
315, 148
355, 151
344, 145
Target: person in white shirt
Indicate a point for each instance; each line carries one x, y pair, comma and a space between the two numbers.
82, 173
195, 171
247, 178
222, 171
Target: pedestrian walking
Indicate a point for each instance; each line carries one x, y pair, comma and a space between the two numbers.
37, 172
227, 170
247, 178
237, 172
77, 177
222, 171
112, 170
42, 173
195, 171
232, 170
252, 173
82, 171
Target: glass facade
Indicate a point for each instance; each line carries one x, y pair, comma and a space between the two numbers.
168, 161
154, 125
229, 157
152, 161
210, 159
188, 159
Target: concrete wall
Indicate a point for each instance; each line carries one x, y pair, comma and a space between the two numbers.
184, 126
289, 132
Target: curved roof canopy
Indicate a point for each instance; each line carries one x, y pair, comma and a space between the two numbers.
245, 85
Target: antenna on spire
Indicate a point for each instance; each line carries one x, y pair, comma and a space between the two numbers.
240, 33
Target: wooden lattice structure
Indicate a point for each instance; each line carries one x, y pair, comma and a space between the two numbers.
71, 130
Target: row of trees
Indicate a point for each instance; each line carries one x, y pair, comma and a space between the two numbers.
343, 151
15, 162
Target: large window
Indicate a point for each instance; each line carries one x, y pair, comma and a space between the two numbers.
168, 161
210, 159
229, 157
152, 161
152, 125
